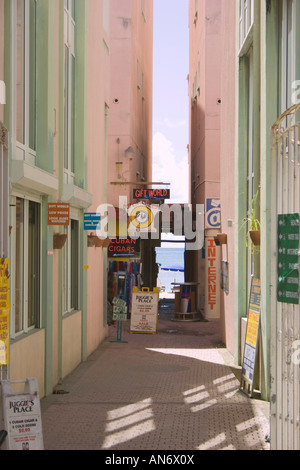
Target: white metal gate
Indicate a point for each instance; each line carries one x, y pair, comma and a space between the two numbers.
284, 289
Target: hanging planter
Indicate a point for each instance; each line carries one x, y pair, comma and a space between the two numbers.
220, 239
106, 243
255, 237
59, 239
217, 241
254, 225
95, 241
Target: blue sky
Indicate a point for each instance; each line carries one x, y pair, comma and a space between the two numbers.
170, 96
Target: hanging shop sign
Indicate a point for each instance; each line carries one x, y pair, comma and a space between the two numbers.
212, 289
151, 194
252, 337
92, 220
128, 247
58, 213
4, 311
288, 259
212, 213
22, 416
144, 311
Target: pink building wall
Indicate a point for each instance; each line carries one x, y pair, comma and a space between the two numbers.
204, 92
227, 162
130, 104
98, 97
204, 148
212, 136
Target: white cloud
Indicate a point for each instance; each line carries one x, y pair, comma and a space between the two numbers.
168, 168
171, 124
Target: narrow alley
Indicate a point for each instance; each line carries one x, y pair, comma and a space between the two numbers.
175, 390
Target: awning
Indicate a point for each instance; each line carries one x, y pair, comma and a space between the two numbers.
174, 268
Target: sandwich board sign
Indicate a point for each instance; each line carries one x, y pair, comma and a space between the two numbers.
252, 338
144, 311
22, 416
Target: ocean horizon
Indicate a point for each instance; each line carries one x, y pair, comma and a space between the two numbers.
167, 257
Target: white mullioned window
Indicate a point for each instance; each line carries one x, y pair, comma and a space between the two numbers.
288, 49
69, 90
24, 67
70, 276
250, 157
25, 263
246, 20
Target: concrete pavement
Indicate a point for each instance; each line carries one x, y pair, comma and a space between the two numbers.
174, 391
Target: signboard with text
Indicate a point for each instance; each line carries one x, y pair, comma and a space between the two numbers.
144, 311
151, 194
4, 311
22, 416
128, 247
92, 221
58, 213
288, 259
252, 337
212, 213
212, 272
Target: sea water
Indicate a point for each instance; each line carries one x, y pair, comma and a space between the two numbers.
169, 257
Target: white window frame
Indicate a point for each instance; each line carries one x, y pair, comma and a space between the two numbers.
67, 300
246, 21
250, 156
24, 268
69, 55
288, 48
23, 150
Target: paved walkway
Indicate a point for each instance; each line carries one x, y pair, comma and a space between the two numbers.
176, 390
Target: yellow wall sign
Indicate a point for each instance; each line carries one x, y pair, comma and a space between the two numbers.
252, 337
4, 311
252, 328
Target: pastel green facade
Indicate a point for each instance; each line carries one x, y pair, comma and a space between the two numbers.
268, 92
61, 338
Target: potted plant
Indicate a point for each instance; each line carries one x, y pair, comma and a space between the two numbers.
253, 223
221, 239
94, 240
